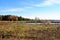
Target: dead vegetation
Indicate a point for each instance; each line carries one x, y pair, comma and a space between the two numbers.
10, 30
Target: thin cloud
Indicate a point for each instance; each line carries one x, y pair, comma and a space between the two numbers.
47, 3
12, 10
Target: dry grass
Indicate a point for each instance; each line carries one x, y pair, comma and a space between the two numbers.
13, 30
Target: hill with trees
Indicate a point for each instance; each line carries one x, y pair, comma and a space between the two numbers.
12, 18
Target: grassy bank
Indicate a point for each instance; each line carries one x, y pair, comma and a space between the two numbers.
13, 30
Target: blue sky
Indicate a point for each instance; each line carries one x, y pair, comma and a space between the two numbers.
43, 9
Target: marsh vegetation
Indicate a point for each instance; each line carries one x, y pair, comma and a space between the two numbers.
16, 30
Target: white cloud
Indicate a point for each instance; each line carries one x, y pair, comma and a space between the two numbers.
54, 1
47, 3
12, 10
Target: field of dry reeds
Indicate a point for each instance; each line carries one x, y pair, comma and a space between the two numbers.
13, 30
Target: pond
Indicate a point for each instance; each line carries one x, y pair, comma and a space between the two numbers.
43, 23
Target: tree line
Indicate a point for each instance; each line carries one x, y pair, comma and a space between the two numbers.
12, 18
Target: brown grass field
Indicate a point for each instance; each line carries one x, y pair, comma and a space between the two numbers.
13, 30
